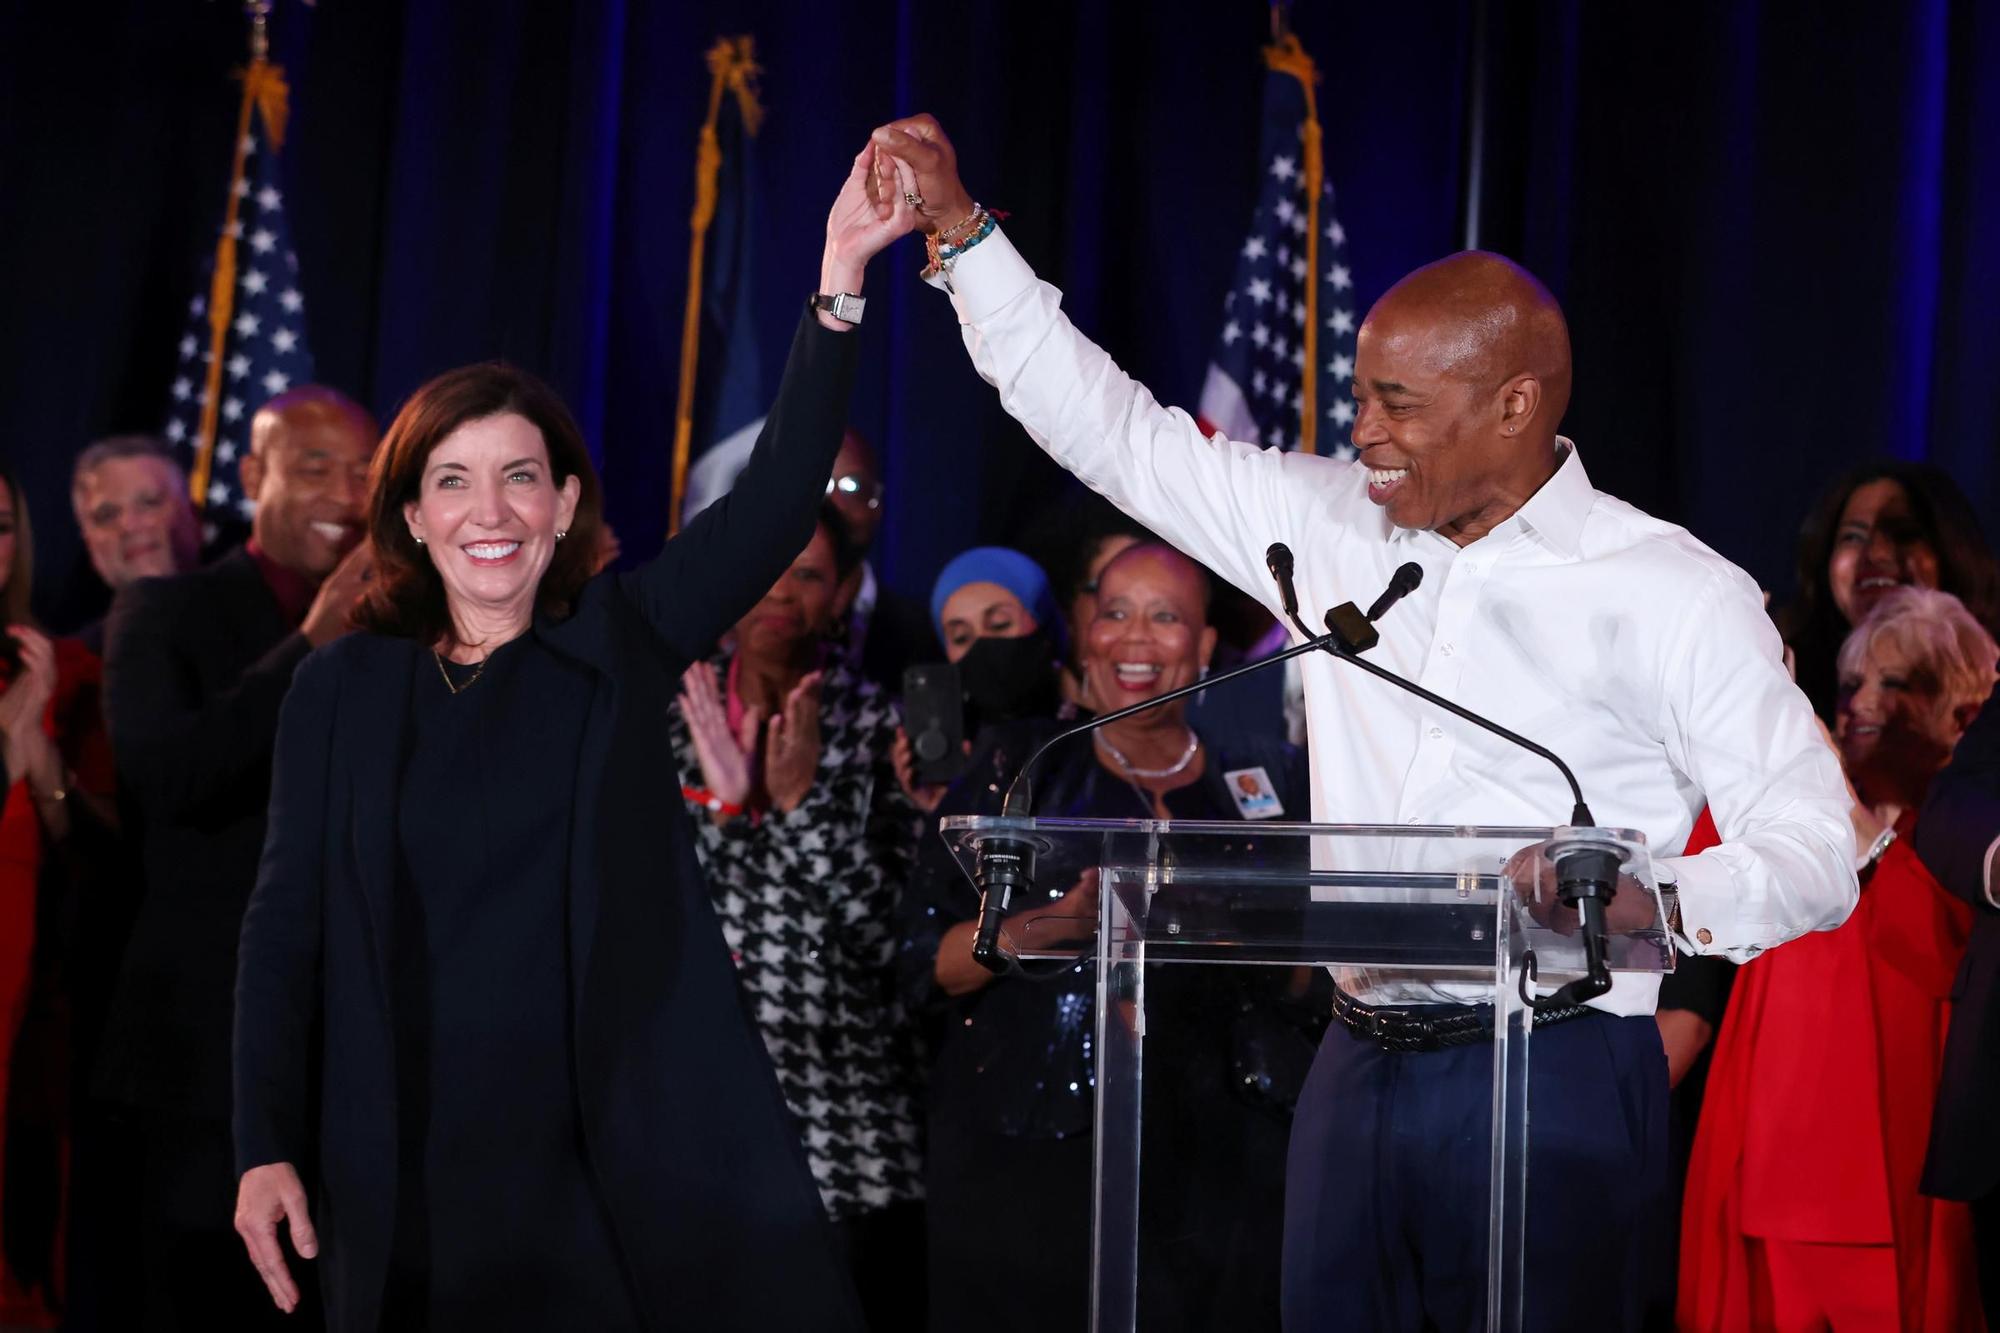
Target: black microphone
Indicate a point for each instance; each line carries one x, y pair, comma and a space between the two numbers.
1278, 559
1402, 583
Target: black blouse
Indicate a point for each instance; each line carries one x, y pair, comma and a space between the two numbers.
1017, 1057
481, 1000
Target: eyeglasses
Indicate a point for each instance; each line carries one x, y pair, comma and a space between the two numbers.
856, 486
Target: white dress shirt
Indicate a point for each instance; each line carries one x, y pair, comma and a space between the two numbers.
1618, 641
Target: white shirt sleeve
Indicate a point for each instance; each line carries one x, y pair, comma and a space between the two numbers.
1737, 726
1222, 502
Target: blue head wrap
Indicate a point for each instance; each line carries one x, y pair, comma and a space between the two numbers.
1008, 568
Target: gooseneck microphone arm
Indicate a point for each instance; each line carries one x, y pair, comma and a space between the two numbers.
1586, 873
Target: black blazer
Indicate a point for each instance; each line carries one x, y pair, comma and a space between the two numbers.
684, 1128
196, 668
1955, 830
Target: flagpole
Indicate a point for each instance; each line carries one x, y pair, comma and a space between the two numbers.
731, 66
1475, 131
263, 90
1286, 56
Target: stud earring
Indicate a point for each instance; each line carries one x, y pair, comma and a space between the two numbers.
420, 541
561, 533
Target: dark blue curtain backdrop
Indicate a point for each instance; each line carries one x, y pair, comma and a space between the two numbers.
1772, 226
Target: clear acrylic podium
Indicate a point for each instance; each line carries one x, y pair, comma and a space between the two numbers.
1459, 905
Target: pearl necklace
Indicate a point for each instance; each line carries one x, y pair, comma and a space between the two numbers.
1187, 757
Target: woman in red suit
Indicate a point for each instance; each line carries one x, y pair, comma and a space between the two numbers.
1802, 1208
57, 778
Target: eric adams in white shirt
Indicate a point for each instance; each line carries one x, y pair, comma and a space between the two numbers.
1615, 639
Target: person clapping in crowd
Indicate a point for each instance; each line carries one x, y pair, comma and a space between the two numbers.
486, 1021
55, 792
1012, 1082
1802, 1207
805, 840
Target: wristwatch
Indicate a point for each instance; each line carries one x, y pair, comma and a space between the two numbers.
843, 306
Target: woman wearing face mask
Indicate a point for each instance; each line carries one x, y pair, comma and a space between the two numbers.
806, 839
1012, 1081
1802, 1206
486, 1021
1000, 628
1879, 527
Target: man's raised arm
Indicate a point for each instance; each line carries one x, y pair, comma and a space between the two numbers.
1222, 502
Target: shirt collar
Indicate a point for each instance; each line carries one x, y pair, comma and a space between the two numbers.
1557, 511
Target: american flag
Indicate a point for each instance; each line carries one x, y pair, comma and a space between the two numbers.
1255, 389
264, 351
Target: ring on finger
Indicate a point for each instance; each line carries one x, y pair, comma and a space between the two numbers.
913, 199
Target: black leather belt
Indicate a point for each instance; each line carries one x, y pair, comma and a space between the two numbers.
1431, 1027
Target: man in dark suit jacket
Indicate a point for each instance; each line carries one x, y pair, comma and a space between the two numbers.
196, 668
1958, 838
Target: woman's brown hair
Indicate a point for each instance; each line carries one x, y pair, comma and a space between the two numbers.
407, 600
21, 575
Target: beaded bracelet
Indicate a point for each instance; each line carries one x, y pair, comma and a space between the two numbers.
943, 256
709, 801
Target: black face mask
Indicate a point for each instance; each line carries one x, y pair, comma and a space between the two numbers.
1007, 679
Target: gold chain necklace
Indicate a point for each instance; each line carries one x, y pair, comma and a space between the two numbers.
470, 680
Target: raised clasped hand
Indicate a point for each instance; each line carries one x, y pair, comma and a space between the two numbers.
862, 223
916, 159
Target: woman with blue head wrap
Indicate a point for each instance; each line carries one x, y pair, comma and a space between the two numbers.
998, 621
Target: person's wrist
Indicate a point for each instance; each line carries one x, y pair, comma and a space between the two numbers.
839, 272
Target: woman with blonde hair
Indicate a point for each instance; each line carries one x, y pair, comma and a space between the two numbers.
1803, 1208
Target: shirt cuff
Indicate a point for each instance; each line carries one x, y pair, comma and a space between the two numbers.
1707, 897
985, 278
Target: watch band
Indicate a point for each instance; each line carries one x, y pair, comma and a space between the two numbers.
843, 306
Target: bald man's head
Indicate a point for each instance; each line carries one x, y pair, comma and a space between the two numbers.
307, 473
1462, 375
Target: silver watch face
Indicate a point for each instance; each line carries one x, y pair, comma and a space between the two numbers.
847, 307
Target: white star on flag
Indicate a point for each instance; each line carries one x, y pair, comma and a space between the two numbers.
1342, 411
1286, 210
182, 387
1231, 331
284, 340
291, 300
1261, 336
1284, 168
1342, 365
254, 281
246, 324
1340, 277
176, 431
238, 366
276, 382
217, 492
1254, 248
1260, 291
268, 197
189, 346
262, 240
1336, 233
1341, 321
225, 451
1298, 271
243, 188
232, 409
